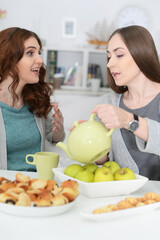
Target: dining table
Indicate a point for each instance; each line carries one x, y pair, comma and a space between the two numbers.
72, 225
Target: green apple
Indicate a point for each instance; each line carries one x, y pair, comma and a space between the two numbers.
112, 165
103, 174
91, 167
72, 170
124, 174
100, 169
85, 175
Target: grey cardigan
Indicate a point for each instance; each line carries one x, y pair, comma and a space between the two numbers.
119, 152
44, 126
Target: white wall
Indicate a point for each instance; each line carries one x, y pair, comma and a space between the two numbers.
45, 17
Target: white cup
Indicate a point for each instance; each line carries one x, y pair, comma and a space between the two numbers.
95, 84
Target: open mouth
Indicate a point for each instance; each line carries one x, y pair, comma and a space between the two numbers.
115, 74
35, 70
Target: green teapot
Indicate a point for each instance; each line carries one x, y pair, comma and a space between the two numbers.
88, 142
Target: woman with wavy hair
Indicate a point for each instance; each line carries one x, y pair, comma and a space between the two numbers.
133, 107
26, 118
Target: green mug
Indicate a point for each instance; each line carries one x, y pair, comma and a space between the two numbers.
44, 162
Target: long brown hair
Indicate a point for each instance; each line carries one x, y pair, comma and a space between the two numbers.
142, 48
36, 96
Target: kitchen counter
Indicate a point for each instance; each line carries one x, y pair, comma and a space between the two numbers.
80, 91
72, 226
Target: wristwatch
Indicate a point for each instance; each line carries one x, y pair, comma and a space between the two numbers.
134, 125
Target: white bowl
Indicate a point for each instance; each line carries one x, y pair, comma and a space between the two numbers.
104, 189
35, 211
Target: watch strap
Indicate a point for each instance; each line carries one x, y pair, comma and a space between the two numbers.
135, 117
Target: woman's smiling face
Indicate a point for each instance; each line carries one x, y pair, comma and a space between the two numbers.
31, 62
120, 62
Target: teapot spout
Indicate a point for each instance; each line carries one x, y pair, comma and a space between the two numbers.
64, 148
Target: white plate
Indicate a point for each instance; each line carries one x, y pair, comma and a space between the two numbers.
104, 189
35, 211
87, 213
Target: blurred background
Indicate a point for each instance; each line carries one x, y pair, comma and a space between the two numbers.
70, 28
46, 17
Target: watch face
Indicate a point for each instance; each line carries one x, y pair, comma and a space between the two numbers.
133, 126
132, 16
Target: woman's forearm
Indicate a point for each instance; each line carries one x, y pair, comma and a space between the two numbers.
102, 160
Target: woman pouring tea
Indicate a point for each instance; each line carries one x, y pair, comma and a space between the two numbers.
132, 107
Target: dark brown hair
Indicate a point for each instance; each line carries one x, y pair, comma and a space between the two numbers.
142, 48
36, 96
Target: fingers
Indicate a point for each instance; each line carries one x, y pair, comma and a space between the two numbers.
81, 121
101, 108
70, 129
57, 126
57, 122
55, 106
102, 111
108, 114
57, 113
96, 108
57, 119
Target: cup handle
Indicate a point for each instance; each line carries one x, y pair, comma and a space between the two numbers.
31, 155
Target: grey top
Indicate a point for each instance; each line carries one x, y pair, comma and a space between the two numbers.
45, 127
148, 163
119, 151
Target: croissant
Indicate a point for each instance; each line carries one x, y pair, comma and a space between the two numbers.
4, 187
24, 191
7, 198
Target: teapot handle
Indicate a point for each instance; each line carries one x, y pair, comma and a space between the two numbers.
92, 117
109, 133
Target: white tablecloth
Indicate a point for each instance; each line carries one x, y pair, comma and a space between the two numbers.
72, 226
